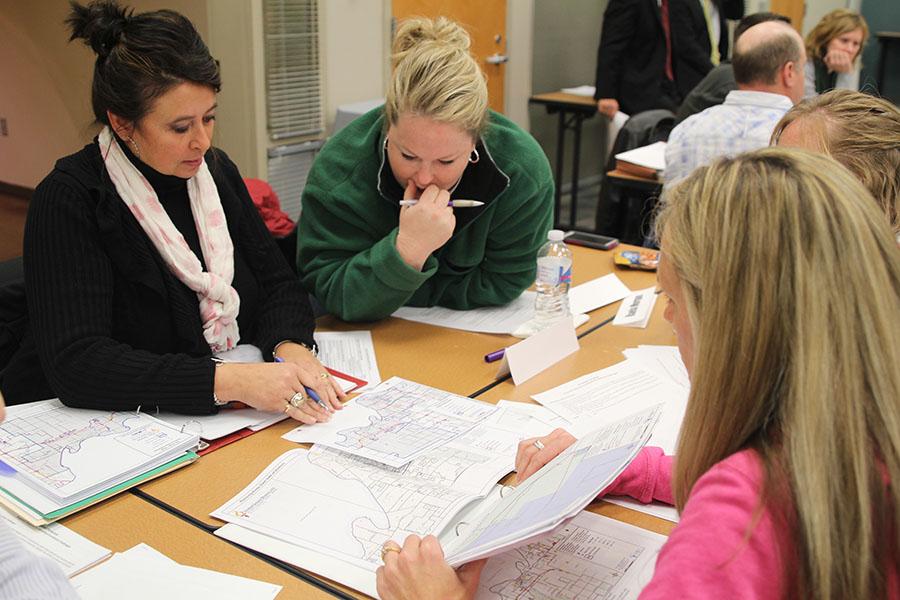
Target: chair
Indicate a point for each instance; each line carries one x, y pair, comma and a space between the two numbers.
624, 212
13, 310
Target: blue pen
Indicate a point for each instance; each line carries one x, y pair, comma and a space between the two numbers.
309, 391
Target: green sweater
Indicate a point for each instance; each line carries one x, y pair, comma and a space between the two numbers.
346, 245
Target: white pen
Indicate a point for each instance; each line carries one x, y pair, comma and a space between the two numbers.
453, 203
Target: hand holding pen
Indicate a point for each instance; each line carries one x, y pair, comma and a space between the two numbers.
297, 401
425, 226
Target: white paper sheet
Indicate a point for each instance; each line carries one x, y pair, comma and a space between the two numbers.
492, 319
396, 422
596, 293
662, 360
528, 420
351, 575
656, 509
350, 352
581, 90
212, 427
142, 573
589, 557
652, 156
608, 394
71, 551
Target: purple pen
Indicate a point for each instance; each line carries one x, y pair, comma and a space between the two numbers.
494, 356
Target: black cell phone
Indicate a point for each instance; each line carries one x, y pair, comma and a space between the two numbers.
591, 240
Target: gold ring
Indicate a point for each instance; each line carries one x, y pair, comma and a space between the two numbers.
324, 375
287, 407
297, 400
386, 549
539, 445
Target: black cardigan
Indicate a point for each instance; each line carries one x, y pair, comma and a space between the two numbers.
113, 328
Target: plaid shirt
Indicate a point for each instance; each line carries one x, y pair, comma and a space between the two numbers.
743, 123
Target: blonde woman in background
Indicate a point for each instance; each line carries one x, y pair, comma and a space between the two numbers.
833, 47
859, 131
783, 290
362, 254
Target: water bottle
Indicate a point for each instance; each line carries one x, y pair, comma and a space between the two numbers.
554, 276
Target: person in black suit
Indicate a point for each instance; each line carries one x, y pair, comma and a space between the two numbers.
692, 39
639, 44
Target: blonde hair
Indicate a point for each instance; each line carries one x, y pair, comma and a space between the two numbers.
792, 287
436, 76
859, 131
835, 23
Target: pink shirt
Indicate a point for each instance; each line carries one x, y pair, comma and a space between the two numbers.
707, 555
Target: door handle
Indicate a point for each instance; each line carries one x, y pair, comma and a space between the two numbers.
496, 59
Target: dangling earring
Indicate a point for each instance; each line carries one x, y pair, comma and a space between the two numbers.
137, 151
474, 158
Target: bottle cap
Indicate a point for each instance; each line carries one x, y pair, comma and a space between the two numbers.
555, 235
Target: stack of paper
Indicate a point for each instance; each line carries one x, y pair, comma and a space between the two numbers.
143, 573
559, 491
331, 512
649, 375
57, 460
646, 161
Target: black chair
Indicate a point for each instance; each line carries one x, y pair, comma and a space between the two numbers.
13, 310
625, 211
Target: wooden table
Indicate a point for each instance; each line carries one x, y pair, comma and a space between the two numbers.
125, 521
572, 110
444, 358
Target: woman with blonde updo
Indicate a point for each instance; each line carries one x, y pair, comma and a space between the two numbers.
833, 48
363, 254
783, 290
859, 131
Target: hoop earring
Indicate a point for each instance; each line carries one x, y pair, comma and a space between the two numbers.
137, 151
474, 158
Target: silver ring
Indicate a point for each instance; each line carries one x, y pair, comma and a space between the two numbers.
538, 444
297, 400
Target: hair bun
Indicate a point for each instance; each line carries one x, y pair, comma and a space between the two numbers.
416, 32
100, 24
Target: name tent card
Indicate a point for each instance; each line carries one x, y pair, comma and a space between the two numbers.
540, 351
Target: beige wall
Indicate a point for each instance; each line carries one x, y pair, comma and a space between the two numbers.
46, 93
45, 96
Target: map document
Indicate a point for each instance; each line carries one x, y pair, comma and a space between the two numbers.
396, 422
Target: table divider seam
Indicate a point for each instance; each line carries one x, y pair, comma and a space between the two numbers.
210, 529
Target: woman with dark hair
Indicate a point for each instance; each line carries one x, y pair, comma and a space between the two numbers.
144, 255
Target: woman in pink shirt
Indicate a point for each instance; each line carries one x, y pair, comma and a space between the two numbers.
784, 293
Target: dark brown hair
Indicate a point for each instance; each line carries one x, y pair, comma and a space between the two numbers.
139, 57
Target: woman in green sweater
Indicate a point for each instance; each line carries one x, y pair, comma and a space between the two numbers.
363, 254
